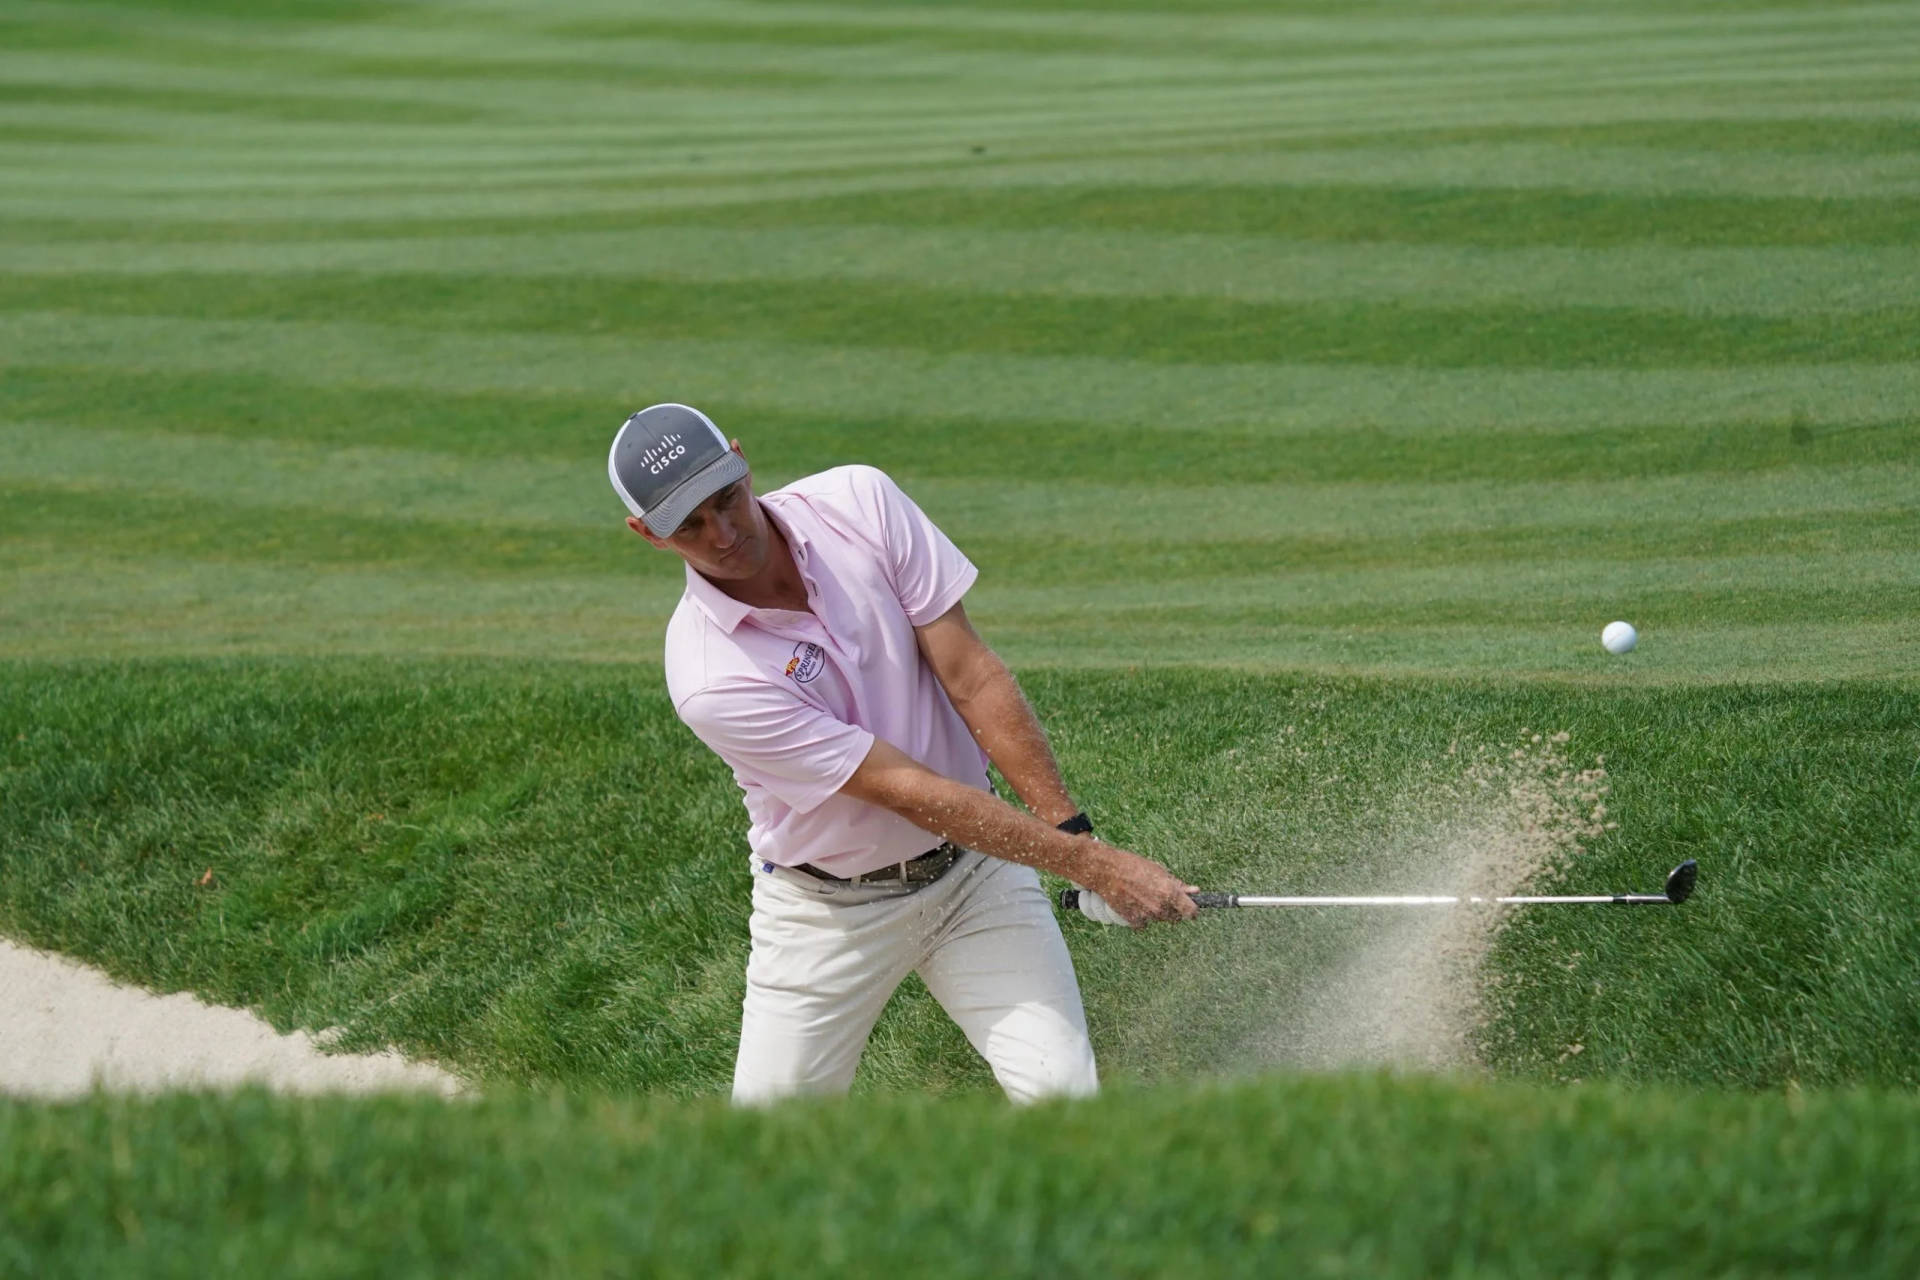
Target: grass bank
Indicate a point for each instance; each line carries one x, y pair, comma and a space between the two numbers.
531, 873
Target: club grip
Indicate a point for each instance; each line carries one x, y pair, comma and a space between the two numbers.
1070, 900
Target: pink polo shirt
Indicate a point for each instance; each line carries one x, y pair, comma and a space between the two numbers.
793, 701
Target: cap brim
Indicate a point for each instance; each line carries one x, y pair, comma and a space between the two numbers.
665, 517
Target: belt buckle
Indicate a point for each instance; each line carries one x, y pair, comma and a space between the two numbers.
935, 862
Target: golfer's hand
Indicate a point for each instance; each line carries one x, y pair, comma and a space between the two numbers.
1142, 890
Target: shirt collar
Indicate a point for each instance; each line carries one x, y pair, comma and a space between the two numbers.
727, 612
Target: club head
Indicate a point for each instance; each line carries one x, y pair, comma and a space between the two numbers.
1680, 881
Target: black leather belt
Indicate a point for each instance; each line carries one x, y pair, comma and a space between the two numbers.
925, 869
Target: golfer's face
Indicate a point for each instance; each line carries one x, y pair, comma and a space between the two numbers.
725, 536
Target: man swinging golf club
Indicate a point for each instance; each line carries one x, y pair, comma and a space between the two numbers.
822, 651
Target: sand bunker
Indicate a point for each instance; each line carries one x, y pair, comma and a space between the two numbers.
64, 1027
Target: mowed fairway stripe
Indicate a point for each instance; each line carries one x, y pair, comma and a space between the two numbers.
1366, 214
562, 427
537, 491
873, 381
1772, 282
58, 514
423, 58
785, 138
850, 315
1238, 24
1746, 632
1177, 156
678, 183
1111, 87
1279, 216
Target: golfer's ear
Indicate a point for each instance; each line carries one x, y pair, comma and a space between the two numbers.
737, 449
639, 526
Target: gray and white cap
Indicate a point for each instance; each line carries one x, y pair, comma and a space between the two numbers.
666, 460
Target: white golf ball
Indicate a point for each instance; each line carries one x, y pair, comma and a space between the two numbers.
1619, 637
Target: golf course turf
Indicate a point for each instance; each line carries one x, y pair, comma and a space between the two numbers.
1310, 384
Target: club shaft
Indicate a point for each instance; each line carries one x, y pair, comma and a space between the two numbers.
1680, 882
1442, 900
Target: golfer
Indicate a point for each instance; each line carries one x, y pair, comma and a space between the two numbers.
822, 651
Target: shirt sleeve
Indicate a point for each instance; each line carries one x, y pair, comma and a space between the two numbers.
928, 572
771, 738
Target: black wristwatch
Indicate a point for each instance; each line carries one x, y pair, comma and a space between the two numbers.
1078, 825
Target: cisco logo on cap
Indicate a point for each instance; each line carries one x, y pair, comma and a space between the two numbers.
663, 452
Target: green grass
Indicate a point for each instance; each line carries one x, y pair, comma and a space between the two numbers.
1153, 330
1313, 1177
1310, 382
463, 860
1388, 215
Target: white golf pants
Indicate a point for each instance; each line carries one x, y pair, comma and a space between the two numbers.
984, 940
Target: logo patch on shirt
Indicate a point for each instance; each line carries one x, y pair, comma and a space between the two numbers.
806, 662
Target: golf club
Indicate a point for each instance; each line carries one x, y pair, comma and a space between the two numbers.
1679, 888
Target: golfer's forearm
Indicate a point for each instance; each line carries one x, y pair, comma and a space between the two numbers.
967, 816
1007, 730
980, 821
